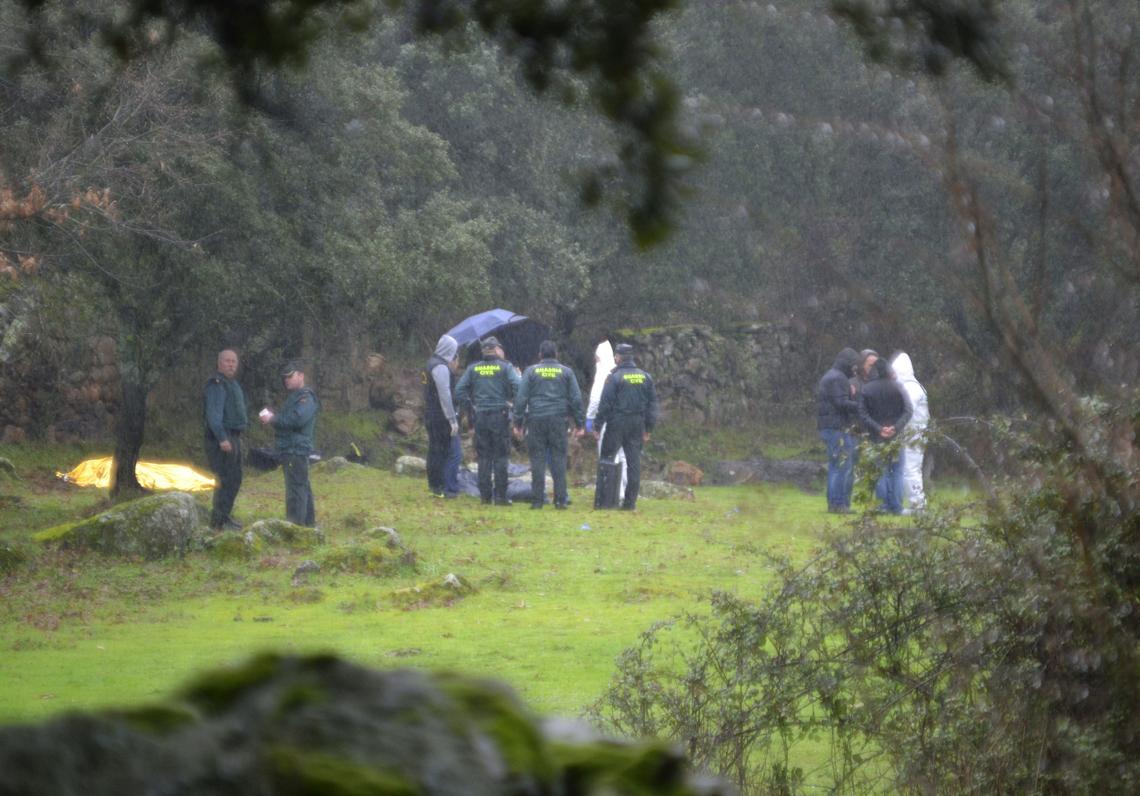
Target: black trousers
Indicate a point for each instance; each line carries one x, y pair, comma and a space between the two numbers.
547, 436
627, 433
493, 446
299, 506
439, 448
227, 467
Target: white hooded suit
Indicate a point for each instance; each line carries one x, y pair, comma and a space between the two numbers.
604, 364
913, 493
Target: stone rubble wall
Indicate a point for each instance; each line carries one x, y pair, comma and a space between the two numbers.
723, 377
54, 388
67, 391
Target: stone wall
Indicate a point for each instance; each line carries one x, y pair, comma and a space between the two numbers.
64, 390
52, 387
722, 377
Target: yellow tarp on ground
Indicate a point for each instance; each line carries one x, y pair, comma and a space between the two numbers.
151, 475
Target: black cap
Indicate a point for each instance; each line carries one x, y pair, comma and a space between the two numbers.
623, 349
491, 342
291, 367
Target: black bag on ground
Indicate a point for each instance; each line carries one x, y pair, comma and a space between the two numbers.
608, 486
262, 458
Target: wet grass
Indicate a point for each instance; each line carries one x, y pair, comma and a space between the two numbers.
560, 594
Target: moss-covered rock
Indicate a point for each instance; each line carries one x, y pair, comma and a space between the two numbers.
282, 533
336, 464
606, 766
261, 537
445, 591
366, 558
299, 771
320, 725
661, 490
235, 545
159, 526
518, 739
155, 719
384, 534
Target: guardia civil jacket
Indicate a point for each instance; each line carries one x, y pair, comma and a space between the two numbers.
549, 389
225, 407
296, 422
629, 392
488, 385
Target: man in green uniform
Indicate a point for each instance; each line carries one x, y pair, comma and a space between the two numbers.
293, 427
548, 396
489, 386
226, 419
628, 410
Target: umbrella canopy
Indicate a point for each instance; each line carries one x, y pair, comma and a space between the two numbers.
519, 334
478, 326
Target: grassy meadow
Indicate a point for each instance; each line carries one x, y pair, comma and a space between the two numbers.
560, 594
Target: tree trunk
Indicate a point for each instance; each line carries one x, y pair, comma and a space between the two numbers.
131, 421
129, 427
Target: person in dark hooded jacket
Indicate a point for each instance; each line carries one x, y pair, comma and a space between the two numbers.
884, 410
836, 415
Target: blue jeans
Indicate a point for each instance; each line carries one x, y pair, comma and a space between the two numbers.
889, 489
451, 467
841, 454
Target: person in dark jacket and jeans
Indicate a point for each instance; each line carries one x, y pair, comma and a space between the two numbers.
628, 410
548, 396
440, 419
884, 411
837, 414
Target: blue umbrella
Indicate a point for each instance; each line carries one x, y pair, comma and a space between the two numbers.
478, 326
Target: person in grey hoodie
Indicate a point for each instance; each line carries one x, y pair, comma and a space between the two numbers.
440, 419
914, 447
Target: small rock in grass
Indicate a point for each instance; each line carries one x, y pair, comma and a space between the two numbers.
411, 465
384, 534
302, 572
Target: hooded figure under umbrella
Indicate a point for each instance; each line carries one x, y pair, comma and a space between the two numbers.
604, 365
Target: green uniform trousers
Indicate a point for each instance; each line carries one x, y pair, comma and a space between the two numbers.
546, 436
493, 446
299, 506
227, 467
628, 433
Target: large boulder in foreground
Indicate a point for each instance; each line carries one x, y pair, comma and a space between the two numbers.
320, 725
159, 526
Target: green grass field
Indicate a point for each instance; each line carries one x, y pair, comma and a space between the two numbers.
561, 594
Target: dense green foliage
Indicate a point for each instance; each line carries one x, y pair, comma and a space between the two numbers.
950, 656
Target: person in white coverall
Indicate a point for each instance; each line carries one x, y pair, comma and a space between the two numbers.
604, 364
914, 497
